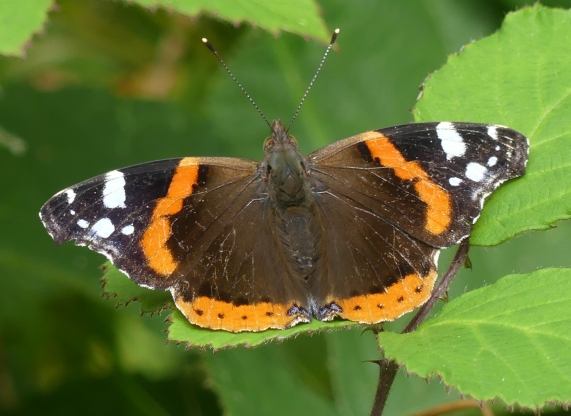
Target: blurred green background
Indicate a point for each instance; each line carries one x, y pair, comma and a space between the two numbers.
107, 84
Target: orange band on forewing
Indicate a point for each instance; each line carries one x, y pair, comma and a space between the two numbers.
215, 314
155, 238
437, 200
400, 298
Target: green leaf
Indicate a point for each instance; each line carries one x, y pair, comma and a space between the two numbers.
124, 291
509, 340
301, 17
270, 382
354, 397
181, 330
520, 77
19, 21
330, 374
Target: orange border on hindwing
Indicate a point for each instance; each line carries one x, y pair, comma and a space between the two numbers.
402, 297
216, 314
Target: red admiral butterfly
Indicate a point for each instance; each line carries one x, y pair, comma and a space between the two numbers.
352, 230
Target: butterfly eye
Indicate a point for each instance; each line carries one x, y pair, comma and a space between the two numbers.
269, 144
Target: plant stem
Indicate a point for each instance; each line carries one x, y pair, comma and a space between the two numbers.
387, 373
388, 368
442, 287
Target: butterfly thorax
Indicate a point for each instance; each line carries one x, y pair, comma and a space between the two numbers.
285, 170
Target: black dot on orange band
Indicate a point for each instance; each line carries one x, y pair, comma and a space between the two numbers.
380, 306
244, 317
221, 315
199, 312
269, 313
418, 289
357, 308
400, 299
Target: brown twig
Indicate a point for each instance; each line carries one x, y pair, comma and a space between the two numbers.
442, 288
442, 409
388, 368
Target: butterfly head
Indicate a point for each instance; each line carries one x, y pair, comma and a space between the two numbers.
279, 137
284, 165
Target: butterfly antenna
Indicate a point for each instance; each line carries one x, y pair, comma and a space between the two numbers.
317, 71
212, 49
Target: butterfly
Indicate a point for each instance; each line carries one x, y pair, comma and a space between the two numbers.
352, 230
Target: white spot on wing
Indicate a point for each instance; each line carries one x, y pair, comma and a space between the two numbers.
114, 190
128, 229
493, 132
497, 147
455, 181
451, 142
475, 171
70, 193
492, 161
83, 223
103, 228
435, 257
72, 212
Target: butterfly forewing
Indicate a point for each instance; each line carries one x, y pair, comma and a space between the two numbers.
428, 179
109, 213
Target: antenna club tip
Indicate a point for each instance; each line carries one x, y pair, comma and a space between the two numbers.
334, 35
207, 43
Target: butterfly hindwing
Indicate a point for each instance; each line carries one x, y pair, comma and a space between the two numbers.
428, 179
372, 271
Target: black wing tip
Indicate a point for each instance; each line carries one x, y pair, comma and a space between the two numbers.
519, 151
50, 217
50, 225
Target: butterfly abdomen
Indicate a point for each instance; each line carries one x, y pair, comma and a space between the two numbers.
299, 237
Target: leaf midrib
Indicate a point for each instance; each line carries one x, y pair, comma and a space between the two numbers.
474, 323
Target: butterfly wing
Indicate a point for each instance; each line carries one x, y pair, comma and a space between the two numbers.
428, 179
372, 271
199, 227
388, 199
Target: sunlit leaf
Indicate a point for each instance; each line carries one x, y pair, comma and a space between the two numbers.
519, 77
19, 21
509, 340
297, 16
